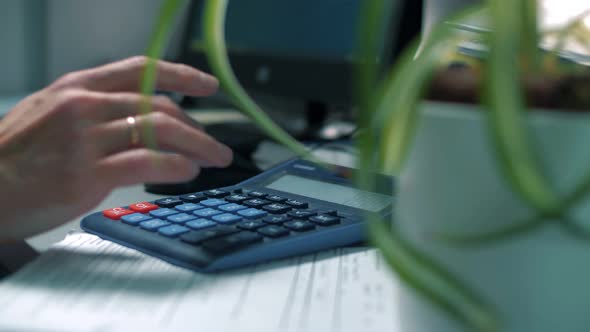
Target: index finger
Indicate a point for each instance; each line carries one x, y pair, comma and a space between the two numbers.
126, 75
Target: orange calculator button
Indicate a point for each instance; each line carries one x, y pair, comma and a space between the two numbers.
116, 213
143, 207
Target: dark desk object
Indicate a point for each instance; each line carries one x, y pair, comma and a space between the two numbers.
243, 139
14, 256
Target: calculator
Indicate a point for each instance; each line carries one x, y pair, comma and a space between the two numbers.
292, 209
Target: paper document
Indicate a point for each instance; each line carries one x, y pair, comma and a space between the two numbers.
86, 284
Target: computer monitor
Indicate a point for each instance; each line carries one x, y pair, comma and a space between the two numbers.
299, 50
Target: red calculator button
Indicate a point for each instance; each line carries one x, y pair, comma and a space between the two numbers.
143, 207
116, 213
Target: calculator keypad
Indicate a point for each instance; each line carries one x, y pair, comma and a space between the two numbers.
221, 221
207, 234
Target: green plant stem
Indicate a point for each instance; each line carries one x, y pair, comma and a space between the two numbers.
216, 51
428, 278
396, 111
155, 50
530, 37
503, 96
418, 271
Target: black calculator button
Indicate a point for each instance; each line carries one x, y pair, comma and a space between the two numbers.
275, 198
207, 234
193, 198
330, 212
299, 225
301, 214
169, 202
324, 220
239, 191
276, 208
256, 202
273, 231
232, 242
250, 225
297, 204
257, 194
236, 198
276, 220
216, 193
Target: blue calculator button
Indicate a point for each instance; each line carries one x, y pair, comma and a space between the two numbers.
208, 212
226, 218
173, 230
200, 223
135, 218
231, 207
188, 207
252, 213
153, 225
212, 202
181, 218
160, 213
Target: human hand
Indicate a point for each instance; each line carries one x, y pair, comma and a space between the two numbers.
64, 148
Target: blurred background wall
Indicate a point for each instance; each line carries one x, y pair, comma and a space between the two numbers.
43, 39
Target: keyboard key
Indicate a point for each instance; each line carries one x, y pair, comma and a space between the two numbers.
200, 223
216, 193
239, 191
299, 225
256, 202
236, 198
252, 213
275, 198
273, 231
173, 230
276, 208
144, 207
324, 220
257, 194
276, 220
250, 225
169, 202
161, 213
181, 218
212, 202
188, 207
232, 242
193, 198
297, 204
134, 218
116, 213
226, 218
196, 237
232, 207
153, 225
208, 212
301, 214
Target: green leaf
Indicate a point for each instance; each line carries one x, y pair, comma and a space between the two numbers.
504, 98
216, 51
154, 52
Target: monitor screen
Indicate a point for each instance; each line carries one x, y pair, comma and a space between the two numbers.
296, 50
285, 28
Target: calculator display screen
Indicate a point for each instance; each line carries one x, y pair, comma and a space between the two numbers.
331, 192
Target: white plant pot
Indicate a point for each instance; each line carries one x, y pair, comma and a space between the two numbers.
539, 282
